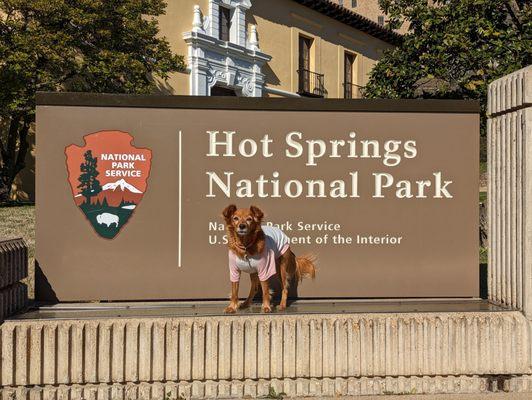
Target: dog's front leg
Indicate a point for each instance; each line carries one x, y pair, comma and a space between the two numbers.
252, 291
265, 297
233, 305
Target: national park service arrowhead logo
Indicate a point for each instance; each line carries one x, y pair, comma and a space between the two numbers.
108, 177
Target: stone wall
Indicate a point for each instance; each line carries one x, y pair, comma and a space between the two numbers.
13, 269
357, 353
510, 190
330, 388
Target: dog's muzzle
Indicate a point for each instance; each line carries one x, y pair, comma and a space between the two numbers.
242, 230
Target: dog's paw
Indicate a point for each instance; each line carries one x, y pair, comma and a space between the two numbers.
230, 310
244, 304
266, 309
281, 307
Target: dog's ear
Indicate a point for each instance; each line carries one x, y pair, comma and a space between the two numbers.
257, 213
228, 212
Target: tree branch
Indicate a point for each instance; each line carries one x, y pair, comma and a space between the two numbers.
22, 147
3, 153
8, 155
11, 140
515, 13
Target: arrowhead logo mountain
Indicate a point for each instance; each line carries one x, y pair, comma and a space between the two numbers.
108, 177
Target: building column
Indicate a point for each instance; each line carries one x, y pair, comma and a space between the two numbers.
510, 191
199, 71
214, 15
238, 26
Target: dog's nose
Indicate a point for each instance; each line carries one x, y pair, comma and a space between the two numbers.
242, 226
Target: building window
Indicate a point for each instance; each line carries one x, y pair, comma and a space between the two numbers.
224, 24
353, 3
350, 89
216, 68
310, 82
304, 64
380, 20
222, 91
304, 52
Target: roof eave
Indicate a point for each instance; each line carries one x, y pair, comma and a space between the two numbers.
352, 19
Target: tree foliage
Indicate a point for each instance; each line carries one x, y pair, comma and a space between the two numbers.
453, 48
73, 45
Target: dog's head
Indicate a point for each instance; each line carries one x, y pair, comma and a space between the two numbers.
243, 221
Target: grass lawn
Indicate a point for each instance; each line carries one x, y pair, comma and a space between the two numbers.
483, 255
18, 222
483, 167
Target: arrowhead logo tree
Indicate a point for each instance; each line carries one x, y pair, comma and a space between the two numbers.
89, 186
108, 177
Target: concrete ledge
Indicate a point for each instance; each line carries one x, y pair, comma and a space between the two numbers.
13, 261
118, 350
261, 388
13, 298
13, 268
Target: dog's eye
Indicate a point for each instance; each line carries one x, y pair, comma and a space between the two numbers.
249, 219
235, 219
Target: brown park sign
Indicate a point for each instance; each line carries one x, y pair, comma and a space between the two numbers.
385, 193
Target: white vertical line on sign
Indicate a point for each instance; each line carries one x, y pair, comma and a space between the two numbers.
180, 201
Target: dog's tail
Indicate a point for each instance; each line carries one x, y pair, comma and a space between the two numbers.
305, 267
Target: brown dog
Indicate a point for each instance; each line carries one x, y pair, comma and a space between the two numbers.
262, 251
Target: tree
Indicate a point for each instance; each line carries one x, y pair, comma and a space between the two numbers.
73, 45
89, 185
453, 48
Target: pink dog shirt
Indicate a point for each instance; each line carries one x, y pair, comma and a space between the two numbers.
276, 244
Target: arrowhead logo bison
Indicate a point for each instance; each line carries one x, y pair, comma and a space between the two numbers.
108, 177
